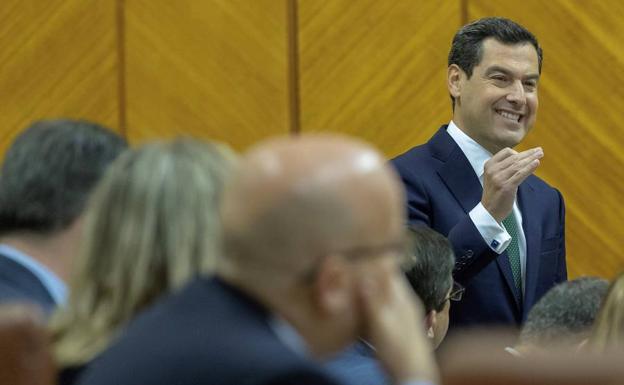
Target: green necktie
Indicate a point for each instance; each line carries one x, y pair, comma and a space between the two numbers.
513, 251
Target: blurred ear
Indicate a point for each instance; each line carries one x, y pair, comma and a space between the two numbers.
332, 285
454, 80
430, 322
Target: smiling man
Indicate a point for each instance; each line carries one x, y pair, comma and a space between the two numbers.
468, 183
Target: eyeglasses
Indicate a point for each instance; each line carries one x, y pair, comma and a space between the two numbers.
456, 294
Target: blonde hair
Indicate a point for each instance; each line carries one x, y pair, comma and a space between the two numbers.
608, 331
151, 224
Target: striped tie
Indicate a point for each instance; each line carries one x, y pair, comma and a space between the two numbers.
513, 251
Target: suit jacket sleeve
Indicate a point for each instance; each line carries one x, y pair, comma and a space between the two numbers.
471, 251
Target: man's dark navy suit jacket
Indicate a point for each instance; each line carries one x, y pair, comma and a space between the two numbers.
442, 188
20, 285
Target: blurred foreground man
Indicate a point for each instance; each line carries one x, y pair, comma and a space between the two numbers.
310, 264
468, 183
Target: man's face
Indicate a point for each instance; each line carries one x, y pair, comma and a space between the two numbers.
367, 257
497, 106
384, 238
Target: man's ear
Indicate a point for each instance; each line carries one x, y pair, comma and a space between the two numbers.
332, 285
430, 322
454, 80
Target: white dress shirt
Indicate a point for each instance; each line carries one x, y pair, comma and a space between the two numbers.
493, 233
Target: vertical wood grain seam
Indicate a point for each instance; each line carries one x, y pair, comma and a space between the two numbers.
121, 66
463, 10
293, 66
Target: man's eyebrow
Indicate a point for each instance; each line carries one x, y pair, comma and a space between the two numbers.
503, 70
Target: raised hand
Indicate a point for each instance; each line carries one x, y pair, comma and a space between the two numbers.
395, 326
503, 173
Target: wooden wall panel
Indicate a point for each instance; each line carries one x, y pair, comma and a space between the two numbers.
376, 69
579, 124
213, 69
58, 59
373, 69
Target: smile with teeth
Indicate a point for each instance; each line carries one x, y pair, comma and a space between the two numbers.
509, 115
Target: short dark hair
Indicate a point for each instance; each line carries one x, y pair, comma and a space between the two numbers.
49, 171
430, 266
565, 313
466, 50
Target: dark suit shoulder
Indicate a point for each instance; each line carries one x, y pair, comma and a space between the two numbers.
18, 284
539, 184
427, 157
416, 164
305, 375
69, 375
413, 153
209, 332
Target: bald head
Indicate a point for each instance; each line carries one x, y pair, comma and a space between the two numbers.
296, 199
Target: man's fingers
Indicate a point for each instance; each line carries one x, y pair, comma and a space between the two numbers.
369, 296
511, 165
524, 172
373, 292
406, 297
521, 164
533, 153
503, 154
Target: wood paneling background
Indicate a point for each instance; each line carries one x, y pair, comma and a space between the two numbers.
222, 69
58, 58
212, 69
376, 69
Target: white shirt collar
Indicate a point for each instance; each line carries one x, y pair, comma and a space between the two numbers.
288, 335
55, 286
477, 155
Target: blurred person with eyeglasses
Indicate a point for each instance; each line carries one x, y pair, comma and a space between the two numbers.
428, 266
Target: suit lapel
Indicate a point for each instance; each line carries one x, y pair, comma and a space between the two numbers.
456, 172
461, 180
532, 230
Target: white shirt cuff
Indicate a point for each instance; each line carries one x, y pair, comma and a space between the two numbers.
493, 233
